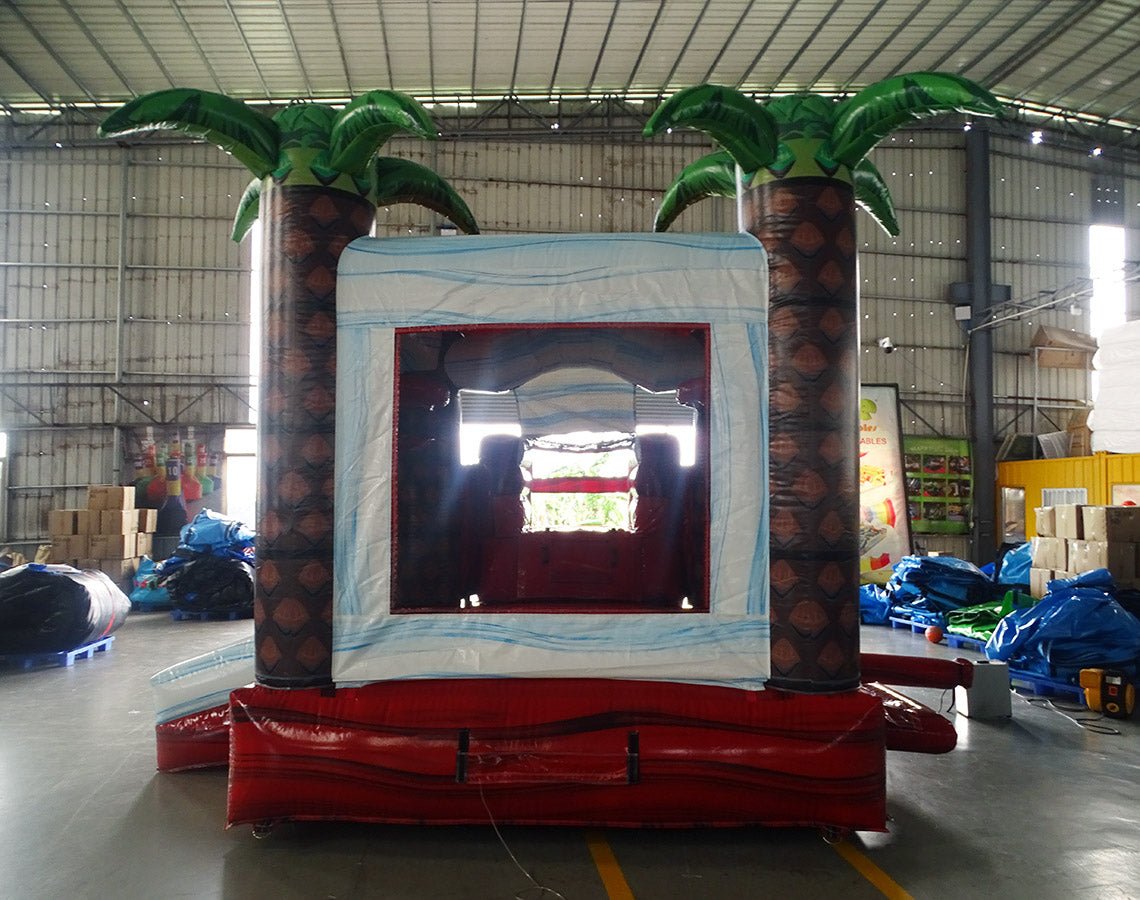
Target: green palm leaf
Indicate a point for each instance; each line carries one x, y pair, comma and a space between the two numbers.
252, 138
368, 121
402, 181
876, 111
247, 212
873, 197
738, 123
710, 176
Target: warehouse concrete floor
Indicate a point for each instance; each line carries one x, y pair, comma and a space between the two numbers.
1032, 807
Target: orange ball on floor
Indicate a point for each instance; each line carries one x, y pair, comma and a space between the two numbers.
934, 634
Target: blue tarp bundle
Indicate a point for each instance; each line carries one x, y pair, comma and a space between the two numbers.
212, 569
925, 588
1077, 625
874, 605
1015, 565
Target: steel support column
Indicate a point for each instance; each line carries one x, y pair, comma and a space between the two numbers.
979, 266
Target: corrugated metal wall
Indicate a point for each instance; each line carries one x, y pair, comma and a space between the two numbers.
184, 291
124, 304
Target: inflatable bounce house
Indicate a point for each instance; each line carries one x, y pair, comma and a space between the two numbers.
636, 602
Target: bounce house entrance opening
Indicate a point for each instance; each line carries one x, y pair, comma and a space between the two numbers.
588, 491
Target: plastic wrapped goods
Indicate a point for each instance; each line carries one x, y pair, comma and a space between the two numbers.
53, 609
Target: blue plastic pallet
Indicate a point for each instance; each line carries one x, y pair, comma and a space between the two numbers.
916, 627
61, 658
1044, 686
182, 615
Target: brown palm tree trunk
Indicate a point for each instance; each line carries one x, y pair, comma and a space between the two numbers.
807, 226
306, 228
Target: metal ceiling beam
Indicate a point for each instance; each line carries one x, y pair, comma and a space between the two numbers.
1063, 25
387, 52
1129, 52
895, 32
965, 39
155, 58
1003, 38
340, 47
768, 43
50, 51
518, 48
561, 46
296, 49
82, 26
474, 49
602, 48
1000, 73
644, 46
431, 49
197, 46
823, 20
248, 48
855, 32
685, 46
731, 35
26, 78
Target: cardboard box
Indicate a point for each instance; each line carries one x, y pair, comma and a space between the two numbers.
118, 521
119, 570
1059, 575
113, 546
87, 521
1120, 524
1063, 348
61, 522
1069, 522
144, 545
59, 551
1049, 553
110, 496
147, 520
1118, 558
1046, 521
1039, 581
87, 563
78, 546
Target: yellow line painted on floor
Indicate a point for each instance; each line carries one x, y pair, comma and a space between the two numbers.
617, 888
863, 865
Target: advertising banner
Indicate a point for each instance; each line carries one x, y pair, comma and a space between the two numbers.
884, 531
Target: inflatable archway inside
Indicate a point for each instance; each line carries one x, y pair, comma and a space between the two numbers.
486, 657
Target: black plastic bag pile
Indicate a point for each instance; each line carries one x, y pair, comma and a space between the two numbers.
211, 571
212, 584
55, 609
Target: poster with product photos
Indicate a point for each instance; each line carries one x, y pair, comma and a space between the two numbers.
939, 484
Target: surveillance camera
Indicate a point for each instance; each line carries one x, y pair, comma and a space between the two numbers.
886, 345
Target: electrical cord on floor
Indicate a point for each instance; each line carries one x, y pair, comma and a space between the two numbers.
953, 699
1093, 723
536, 889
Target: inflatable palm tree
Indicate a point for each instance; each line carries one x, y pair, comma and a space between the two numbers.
804, 170
317, 181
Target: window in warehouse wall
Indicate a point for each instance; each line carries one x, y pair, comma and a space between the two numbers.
1106, 269
240, 479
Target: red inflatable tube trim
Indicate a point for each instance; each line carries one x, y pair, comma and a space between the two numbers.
912, 726
557, 751
915, 671
200, 740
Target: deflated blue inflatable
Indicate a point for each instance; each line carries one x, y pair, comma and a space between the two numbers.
1077, 625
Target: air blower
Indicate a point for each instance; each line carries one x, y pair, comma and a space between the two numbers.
1108, 691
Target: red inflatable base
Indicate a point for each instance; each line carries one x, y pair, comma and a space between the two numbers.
557, 752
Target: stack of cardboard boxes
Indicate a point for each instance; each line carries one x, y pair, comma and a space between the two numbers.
109, 534
1074, 539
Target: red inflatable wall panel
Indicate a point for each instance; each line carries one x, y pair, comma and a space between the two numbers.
557, 751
